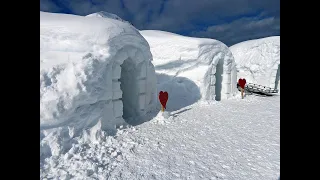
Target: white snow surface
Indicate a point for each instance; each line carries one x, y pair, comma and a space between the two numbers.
104, 14
258, 60
83, 61
235, 139
207, 63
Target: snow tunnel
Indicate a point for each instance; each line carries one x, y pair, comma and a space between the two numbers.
92, 70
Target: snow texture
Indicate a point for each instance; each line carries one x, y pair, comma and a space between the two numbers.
236, 139
93, 70
206, 62
259, 61
104, 14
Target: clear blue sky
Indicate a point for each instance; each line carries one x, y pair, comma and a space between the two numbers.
229, 21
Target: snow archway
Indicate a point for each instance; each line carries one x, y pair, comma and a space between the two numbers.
130, 89
218, 77
133, 82
93, 70
207, 62
277, 78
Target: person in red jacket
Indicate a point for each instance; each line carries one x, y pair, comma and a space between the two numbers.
242, 84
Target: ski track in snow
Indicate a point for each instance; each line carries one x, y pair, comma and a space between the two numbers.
229, 141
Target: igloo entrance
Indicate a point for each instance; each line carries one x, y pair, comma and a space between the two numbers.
218, 76
130, 89
276, 84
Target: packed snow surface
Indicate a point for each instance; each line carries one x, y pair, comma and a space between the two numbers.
207, 63
236, 139
259, 61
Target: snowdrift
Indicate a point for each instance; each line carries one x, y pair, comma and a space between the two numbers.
93, 71
206, 62
259, 61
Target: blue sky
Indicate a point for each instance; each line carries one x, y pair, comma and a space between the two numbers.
229, 21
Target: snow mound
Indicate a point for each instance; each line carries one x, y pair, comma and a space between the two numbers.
208, 63
104, 14
259, 61
93, 70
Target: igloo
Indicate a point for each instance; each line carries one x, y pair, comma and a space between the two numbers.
93, 69
207, 62
258, 61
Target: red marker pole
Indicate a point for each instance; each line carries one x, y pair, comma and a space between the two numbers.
242, 92
242, 84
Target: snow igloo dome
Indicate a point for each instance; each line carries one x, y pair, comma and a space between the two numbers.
258, 61
93, 70
207, 62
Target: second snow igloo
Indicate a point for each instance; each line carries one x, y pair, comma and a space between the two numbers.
93, 69
258, 61
207, 62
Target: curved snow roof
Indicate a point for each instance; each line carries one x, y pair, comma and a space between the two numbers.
258, 60
106, 15
194, 58
67, 32
167, 46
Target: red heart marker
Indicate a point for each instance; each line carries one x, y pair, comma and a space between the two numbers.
163, 98
242, 83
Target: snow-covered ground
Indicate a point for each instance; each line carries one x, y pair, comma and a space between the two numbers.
258, 61
232, 139
235, 139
